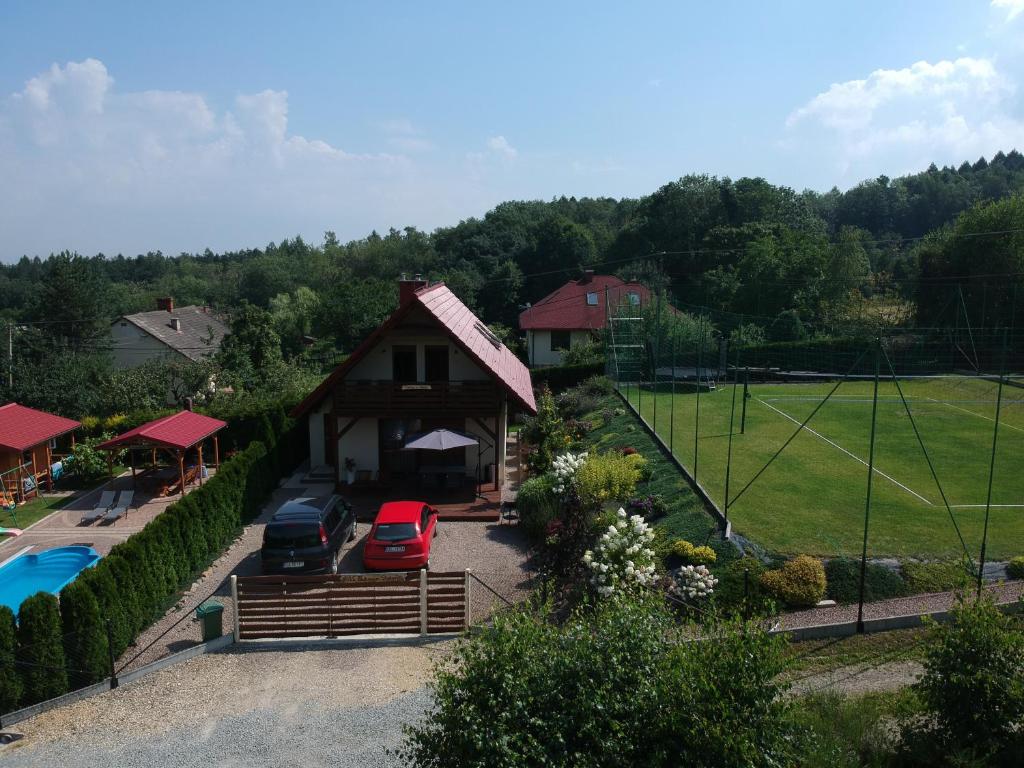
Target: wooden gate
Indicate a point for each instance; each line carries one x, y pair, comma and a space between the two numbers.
339, 605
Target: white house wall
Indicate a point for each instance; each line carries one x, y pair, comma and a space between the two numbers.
376, 365
486, 447
317, 438
360, 443
538, 346
131, 346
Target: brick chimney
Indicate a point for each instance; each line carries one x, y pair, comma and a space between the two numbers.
165, 303
406, 288
588, 276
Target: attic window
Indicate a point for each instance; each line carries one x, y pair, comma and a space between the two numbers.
591, 299
488, 334
634, 299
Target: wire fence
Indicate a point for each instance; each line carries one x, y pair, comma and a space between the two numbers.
901, 443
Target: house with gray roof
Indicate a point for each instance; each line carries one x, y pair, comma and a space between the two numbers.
168, 332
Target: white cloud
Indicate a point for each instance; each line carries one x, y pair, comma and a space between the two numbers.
89, 167
499, 145
1012, 8
902, 119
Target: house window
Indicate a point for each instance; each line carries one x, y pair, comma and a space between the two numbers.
560, 340
435, 363
634, 299
591, 299
403, 363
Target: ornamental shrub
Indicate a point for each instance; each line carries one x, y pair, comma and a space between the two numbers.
693, 555
112, 605
606, 477
537, 505
1015, 568
880, 583
622, 559
564, 469
940, 576
799, 583
10, 679
692, 582
972, 689
606, 688
85, 636
545, 432
40, 652
733, 584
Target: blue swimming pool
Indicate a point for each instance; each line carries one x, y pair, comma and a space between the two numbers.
46, 571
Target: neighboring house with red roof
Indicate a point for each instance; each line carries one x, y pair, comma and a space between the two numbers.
28, 439
432, 364
574, 314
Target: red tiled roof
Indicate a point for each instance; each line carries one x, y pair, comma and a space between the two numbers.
567, 308
463, 327
179, 430
21, 427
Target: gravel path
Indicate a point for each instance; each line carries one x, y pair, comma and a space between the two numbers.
310, 708
860, 678
902, 606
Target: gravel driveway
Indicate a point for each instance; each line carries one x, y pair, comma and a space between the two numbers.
311, 708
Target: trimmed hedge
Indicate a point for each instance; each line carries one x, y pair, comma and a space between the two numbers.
142, 577
10, 679
561, 377
880, 583
40, 653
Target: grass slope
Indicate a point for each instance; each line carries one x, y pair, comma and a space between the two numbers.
811, 498
687, 519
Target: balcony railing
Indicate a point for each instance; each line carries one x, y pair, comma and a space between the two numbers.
415, 399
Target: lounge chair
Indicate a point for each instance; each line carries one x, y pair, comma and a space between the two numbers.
105, 502
120, 509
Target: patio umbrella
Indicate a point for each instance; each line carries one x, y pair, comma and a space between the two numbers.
440, 440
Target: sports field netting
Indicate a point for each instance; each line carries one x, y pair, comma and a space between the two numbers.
800, 487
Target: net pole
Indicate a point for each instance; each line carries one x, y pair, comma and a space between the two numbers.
732, 417
696, 413
657, 359
992, 465
746, 396
867, 502
672, 400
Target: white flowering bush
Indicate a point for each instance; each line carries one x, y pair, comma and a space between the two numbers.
623, 558
692, 582
565, 466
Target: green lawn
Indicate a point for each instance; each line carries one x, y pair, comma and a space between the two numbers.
811, 498
33, 511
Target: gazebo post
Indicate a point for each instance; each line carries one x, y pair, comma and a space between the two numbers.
181, 470
199, 449
131, 459
49, 466
216, 453
35, 472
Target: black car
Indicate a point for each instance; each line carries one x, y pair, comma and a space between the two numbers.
305, 535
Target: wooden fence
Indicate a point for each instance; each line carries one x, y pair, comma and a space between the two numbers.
339, 605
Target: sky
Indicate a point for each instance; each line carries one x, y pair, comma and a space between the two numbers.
127, 128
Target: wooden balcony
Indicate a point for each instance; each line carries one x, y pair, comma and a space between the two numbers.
388, 398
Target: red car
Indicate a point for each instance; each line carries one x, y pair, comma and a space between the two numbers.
400, 537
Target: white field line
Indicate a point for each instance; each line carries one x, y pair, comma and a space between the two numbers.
975, 413
982, 506
851, 455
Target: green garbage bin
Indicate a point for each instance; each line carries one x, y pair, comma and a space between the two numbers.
211, 618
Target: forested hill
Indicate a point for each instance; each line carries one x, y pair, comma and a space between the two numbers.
745, 246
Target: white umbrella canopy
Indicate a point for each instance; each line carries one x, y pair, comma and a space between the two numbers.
439, 440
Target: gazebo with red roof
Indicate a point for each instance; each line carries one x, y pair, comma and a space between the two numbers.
27, 437
175, 435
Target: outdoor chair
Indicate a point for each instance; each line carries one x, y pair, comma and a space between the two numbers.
120, 509
106, 502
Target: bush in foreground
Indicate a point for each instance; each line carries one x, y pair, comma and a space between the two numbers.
612, 686
1015, 568
10, 680
40, 650
799, 583
972, 690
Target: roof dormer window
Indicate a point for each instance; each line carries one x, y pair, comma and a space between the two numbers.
591, 298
